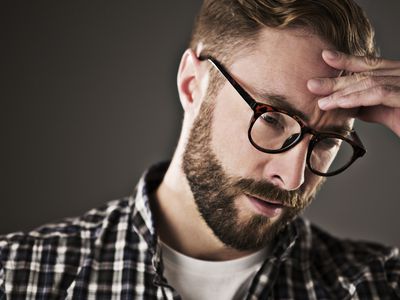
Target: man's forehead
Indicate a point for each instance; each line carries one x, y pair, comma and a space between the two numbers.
298, 50
276, 70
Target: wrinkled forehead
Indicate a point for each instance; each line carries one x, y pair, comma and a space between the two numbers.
280, 63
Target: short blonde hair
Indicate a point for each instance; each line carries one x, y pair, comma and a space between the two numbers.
225, 26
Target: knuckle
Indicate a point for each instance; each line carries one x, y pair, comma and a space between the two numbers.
331, 83
362, 76
392, 89
367, 73
338, 94
372, 61
358, 78
384, 90
331, 96
370, 82
327, 84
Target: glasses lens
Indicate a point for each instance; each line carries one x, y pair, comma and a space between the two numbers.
330, 154
275, 131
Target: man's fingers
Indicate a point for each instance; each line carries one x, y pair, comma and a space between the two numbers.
342, 61
325, 86
387, 95
337, 87
381, 114
373, 86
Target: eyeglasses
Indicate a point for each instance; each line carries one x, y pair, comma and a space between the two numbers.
273, 130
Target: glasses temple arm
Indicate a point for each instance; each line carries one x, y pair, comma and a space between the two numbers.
232, 81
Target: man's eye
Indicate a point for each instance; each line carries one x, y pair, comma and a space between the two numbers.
273, 120
267, 118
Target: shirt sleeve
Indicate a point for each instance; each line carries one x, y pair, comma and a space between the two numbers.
3, 244
392, 267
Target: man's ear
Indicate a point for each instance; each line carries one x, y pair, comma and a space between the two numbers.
188, 80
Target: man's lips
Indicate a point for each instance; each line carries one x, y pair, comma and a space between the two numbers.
268, 208
268, 201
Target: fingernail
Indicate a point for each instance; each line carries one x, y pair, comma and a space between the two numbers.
330, 54
323, 103
314, 83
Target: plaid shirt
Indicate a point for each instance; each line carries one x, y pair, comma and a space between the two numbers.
113, 253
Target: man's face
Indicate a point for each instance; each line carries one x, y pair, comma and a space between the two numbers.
246, 196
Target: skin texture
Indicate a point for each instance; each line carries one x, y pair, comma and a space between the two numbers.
284, 62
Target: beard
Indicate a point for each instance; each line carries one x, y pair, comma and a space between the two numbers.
215, 192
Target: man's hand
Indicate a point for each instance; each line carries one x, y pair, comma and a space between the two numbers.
373, 85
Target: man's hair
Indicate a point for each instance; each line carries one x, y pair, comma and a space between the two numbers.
224, 27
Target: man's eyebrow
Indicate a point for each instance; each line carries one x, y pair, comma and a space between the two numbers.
281, 102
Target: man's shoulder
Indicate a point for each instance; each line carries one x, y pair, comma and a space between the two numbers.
354, 265
85, 227
58, 257
343, 250
62, 247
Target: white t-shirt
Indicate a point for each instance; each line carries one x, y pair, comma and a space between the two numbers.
196, 279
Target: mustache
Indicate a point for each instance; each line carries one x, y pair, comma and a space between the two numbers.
265, 189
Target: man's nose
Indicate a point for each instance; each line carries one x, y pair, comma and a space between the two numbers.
286, 169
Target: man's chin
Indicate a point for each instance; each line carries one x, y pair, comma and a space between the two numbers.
251, 230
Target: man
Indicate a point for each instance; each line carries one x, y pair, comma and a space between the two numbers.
270, 90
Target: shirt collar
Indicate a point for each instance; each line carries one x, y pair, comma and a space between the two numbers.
143, 219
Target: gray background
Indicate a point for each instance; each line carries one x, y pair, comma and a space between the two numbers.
88, 101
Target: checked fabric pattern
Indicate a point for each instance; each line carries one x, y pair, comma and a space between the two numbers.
113, 253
